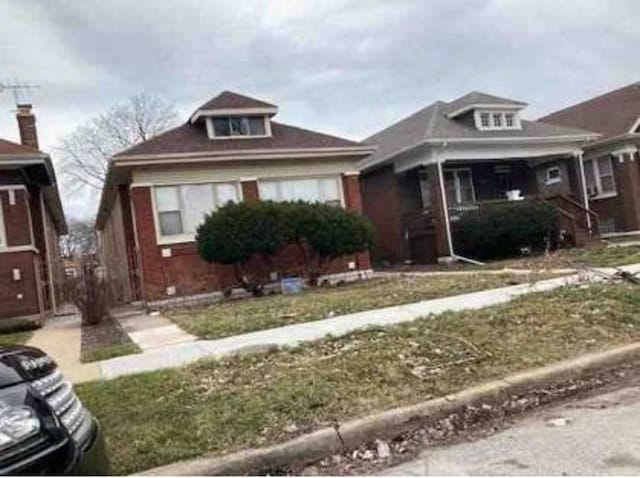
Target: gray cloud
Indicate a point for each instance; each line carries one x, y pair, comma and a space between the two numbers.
344, 67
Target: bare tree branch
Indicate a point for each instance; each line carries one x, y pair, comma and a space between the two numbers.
84, 154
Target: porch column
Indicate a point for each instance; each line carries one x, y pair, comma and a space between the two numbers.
583, 184
444, 208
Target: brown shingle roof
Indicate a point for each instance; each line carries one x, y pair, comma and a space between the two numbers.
192, 138
9, 147
229, 99
611, 114
433, 123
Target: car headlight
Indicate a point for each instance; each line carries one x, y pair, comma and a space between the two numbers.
17, 424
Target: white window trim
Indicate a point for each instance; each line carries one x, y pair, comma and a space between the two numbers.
212, 133
593, 163
3, 231
549, 181
458, 184
337, 177
163, 240
503, 119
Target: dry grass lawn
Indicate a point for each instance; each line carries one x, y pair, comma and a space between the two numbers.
218, 407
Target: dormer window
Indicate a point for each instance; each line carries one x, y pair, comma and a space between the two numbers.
508, 120
233, 126
496, 120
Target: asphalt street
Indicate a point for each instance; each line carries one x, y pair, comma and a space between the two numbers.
599, 435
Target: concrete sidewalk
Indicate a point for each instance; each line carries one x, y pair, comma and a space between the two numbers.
60, 338
150, 331
292, 335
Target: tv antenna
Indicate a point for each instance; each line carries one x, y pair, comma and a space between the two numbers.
19, 89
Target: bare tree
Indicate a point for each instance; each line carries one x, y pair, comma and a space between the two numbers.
84, 153
81, 240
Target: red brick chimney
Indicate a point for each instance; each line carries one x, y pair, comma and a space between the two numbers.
27, 126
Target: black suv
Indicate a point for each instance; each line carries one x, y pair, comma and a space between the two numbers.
44, 428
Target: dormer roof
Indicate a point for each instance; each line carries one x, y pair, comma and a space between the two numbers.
479, 100
229, 103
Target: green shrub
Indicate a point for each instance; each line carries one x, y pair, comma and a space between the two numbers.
501, 230
235, 233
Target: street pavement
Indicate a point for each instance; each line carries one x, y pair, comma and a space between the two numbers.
594, 436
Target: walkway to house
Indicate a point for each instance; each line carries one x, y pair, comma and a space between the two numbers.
60, 338
150, 331
292, 335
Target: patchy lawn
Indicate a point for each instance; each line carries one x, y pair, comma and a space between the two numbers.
247, 315
595, 256
104, 341
16, 338
157, 418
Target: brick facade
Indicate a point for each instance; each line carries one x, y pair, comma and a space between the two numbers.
181, 270
18, 297
622, 210
23, 267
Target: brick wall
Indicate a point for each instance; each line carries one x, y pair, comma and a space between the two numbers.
18, 297
189, 274
16, 217
623, 209
381, 205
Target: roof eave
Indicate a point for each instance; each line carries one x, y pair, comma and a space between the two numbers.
504, 140
262, 110
489, 106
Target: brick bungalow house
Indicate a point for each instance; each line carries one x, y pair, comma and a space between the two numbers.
31, 221
612, 164
157, 192
451, 157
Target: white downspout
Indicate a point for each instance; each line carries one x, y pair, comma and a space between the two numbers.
445, 207
585, 194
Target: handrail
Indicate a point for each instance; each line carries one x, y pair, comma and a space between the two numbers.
576, 204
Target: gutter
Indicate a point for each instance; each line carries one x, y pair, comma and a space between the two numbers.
475, 140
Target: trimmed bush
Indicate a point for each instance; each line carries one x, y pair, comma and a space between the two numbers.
237, 232
500, 230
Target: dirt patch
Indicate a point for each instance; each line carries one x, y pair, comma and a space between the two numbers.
105, 340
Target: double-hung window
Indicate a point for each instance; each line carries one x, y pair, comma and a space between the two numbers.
458, 185
599, 177
181, 209
324, 190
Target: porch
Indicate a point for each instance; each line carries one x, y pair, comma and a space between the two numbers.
437, 196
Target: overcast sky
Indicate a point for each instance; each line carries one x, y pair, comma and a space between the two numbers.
344, 67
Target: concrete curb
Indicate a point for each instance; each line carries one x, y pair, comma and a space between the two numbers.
389, 424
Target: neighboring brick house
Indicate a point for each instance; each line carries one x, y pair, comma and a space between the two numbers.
612, 163
451, 158
157, 193
31, 220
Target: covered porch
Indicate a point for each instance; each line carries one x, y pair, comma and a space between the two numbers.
438, 194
